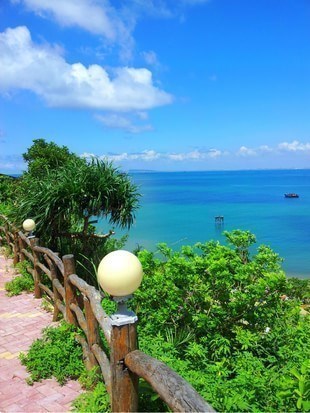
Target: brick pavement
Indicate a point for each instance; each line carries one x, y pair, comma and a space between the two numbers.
21, 322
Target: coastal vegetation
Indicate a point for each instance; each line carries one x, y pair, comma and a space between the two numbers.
228, 322
224, 316
22, 282
66, 195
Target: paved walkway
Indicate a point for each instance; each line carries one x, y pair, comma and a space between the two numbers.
21, 322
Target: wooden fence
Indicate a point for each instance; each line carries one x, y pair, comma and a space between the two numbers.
80, 304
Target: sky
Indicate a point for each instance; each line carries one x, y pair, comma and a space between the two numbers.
167, 85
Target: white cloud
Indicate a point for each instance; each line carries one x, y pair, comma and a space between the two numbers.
93, 16
215, 153
294, 146
244, 151
193, 155
152, 155
265, 149
113, 21
41, 69
117, 121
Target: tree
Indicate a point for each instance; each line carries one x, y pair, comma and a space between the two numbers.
66, 195
45, 156
71, 195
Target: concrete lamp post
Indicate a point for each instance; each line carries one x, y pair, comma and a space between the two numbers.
29, 226
120, 274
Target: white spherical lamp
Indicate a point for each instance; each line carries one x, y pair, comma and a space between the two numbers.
120, 273
29, 225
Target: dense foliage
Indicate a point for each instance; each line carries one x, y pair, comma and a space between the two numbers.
93, 401
66, 195
57, 354
8, 187
22, 282
229, 323
62, 191
43, 157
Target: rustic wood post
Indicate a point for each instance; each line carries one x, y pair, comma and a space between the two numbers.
70, 290
36, 270
124, 383
21, 246
56, 293
92, 331
16, 248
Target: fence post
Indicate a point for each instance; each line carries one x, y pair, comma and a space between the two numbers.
21, 246
124, 383
92, 331
16, 248
36, 271
70, 290
56, 293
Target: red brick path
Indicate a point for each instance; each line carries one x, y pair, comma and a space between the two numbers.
21, 322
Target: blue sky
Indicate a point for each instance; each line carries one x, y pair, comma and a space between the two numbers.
158, 84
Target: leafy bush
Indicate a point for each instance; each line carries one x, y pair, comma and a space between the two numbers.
226, 322
23, 282
229, 323
90, 378
93, 402
299, 289
57, 354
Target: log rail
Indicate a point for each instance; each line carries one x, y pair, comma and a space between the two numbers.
80, 304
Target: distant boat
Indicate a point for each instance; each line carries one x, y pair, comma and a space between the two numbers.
291, 195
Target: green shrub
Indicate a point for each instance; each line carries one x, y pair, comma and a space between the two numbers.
57, 354
221, 319
23, 282
94, 401
90, 378
299, 289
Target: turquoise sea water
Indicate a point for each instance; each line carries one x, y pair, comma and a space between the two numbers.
179, 208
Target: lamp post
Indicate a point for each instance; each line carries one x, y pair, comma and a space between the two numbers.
120, 274
29, 226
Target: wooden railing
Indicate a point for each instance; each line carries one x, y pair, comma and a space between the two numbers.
80, 304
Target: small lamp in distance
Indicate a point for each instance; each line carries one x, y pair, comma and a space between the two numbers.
29, 226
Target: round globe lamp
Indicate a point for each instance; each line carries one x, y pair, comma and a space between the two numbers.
120, 273
29, 225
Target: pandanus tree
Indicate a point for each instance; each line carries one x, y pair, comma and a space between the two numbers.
67, 197
71, 196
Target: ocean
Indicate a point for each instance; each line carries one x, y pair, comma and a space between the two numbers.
179, 208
